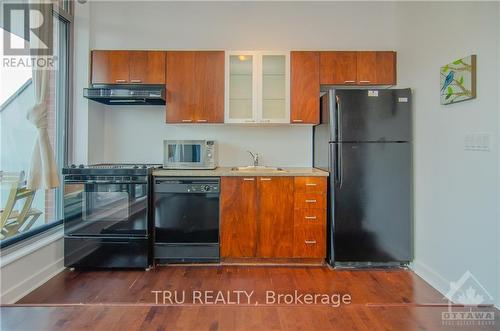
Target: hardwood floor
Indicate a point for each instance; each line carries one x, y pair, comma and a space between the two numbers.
124, 300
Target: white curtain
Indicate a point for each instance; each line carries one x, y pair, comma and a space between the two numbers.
43, 172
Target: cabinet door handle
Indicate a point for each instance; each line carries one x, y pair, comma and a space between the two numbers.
310, 242
311, 217
349, 82
364, 81
187, 121
311, 184
249, 179
120, 81
297, 121
135, 81
265, 179
202, 121
311, 201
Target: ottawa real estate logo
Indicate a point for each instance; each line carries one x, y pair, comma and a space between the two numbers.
467, 306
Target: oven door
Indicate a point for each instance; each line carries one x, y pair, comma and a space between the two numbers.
184, 155
111, 209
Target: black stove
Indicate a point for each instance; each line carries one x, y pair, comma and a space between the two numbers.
108, 215
111, 169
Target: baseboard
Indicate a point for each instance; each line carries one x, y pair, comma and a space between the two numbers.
34, 281
436, 280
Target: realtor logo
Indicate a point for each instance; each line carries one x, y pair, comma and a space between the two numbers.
470, 293
36, 27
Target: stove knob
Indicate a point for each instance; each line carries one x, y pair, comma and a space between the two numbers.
81, 166
135, 166
144, 166
73, 166
206, 188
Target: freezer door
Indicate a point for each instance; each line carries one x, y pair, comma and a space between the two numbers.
371, 196
372, 115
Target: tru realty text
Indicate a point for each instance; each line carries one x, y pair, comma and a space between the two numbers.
243, 297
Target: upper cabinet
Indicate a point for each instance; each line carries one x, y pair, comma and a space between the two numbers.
305, 72
376, 68
358, 68
195, 87
128, 67
338, 68
257, 87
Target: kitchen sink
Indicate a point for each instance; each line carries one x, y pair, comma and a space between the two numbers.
257, 169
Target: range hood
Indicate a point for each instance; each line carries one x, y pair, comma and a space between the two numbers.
126, 94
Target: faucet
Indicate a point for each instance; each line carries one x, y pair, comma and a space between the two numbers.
255, 157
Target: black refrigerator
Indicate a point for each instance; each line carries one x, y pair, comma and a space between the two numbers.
364, 140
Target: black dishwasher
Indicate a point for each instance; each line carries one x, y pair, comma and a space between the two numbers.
186, 215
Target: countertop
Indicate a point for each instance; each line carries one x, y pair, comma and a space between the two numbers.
226, 171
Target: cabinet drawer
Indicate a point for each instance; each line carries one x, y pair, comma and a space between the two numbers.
310, 184
310, 200
308, 217
309, 241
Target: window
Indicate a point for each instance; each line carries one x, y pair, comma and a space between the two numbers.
25, 212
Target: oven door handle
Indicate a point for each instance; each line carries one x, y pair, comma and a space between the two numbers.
102, 182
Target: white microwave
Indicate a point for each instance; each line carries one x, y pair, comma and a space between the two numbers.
189, 154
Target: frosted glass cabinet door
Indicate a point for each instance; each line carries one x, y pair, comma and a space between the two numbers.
275, 88
241, 92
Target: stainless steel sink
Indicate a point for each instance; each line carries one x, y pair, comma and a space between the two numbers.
257, 169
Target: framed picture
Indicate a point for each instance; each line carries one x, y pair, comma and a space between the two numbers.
458, 80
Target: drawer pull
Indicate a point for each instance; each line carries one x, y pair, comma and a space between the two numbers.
202, 121
265, 179
364, 81
249, 179
311, 201
297, 121
135, 81
311, 217
121, 81
310, 242
187, 121
349, 81
311, 184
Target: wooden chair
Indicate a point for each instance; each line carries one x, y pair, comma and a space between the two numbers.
11, 220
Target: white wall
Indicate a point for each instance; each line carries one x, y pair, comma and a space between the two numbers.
456, 191
26, 266
135, 134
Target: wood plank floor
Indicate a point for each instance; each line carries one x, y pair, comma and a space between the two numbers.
124, 300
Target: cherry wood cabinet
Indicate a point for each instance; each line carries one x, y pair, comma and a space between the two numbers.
147, 67
376, 68
110, 67
338, 68
358, 68
269, 217
275, 217
128, 67
310, 217
238, 235
304, 85
195, 87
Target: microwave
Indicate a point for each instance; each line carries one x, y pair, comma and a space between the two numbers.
189, 154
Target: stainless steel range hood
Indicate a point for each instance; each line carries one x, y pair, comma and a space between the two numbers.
126, 94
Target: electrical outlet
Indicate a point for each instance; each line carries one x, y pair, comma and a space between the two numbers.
477, 142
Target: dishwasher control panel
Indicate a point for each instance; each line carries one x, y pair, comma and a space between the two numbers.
187, 185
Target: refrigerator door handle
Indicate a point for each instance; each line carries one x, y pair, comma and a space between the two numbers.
339, 118
339, 165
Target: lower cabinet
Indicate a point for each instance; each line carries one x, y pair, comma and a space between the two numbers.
273, 217
238, 234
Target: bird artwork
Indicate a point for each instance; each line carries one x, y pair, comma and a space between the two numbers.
448, 80
458, 80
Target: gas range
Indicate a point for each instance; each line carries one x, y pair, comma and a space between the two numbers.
130, 169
